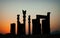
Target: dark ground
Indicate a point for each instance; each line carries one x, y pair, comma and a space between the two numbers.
30, 36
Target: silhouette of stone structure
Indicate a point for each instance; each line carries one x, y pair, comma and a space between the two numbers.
36, 27
35, 22
18, 25
12, 29
29, 23
21, 27
45, 24
44, 27
24, 20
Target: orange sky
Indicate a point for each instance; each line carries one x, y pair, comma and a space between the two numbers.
6, 26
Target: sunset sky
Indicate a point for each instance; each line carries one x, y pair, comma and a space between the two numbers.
10, 8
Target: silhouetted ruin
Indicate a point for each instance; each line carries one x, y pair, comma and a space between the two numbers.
45, 24
29, 23
35, 24
12, 29
36, 27
21, 27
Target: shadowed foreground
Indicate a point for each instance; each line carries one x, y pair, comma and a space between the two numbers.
30, 36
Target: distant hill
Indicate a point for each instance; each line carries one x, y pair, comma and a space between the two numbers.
56, 32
